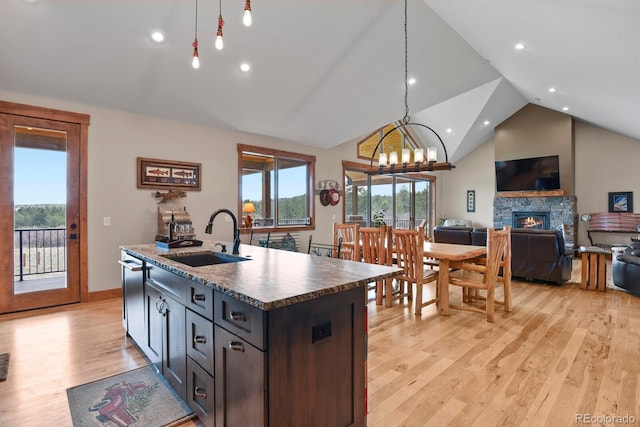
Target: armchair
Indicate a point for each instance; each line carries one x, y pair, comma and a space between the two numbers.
626, 271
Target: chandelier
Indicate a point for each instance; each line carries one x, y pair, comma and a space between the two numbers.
389, 163
219, 43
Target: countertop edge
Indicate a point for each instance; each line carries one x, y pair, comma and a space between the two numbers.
191, 273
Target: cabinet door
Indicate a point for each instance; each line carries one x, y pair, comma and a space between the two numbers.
133, 297
152, 344
200, 340
174, 361
239, 381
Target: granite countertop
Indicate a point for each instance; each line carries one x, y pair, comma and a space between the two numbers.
272, 278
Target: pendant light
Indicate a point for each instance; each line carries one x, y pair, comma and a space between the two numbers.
219, 44
195, 62
388, 162
246, 18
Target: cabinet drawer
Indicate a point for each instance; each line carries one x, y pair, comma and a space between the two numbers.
200, 393
200, 299
200, 340
169, 283
244, 320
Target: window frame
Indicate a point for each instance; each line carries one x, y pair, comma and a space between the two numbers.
311, 162
355, 166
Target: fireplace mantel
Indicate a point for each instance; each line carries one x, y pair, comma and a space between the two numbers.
548, 193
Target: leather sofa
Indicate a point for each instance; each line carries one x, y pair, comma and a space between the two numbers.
626, 269
536, 255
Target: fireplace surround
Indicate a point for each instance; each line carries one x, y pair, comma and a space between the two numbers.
562, 212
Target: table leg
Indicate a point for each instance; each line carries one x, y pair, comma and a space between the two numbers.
585, 271
443, 287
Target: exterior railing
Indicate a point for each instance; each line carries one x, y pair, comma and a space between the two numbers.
39, 251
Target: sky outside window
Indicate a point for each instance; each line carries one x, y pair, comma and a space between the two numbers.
39, 176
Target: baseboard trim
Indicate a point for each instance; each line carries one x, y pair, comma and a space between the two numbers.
104, 295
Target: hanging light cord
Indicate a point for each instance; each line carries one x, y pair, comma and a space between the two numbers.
406, 117
196, 35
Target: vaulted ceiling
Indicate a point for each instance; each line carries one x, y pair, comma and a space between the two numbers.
324, 72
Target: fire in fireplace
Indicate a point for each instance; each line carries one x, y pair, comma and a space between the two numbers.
531, 220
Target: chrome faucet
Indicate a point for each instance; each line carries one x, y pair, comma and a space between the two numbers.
236, 231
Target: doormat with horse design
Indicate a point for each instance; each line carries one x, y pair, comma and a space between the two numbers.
140, 397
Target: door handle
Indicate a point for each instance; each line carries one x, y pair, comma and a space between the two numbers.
73, 236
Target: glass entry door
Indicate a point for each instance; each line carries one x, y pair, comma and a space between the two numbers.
41, 161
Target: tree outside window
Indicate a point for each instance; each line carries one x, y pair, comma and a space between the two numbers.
279, 185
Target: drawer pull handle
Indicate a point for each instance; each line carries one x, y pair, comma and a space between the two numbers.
237, 317
130, 265
200, 339
158, 307
236, 346
199, 297
198, 393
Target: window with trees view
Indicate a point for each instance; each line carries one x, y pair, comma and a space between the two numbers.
402, 201
279, 184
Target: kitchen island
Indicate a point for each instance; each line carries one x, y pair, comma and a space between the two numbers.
277, 338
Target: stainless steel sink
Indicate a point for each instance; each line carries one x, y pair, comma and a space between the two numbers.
199, 259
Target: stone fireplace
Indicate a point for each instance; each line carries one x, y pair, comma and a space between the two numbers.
561, 212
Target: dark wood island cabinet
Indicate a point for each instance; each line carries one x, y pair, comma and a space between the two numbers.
278, 339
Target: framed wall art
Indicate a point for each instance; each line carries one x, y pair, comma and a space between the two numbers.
156, 173
621, 201
471, 200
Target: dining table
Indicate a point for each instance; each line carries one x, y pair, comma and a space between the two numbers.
445, 253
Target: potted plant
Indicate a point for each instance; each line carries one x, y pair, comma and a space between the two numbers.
378, 218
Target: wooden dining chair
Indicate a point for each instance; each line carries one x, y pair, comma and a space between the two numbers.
479, 280
350, 244
409, 248
373, 247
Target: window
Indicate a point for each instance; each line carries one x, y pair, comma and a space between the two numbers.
279, 184
406, 201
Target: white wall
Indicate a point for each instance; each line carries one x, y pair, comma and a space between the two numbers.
117, 138
474, 172
605, 162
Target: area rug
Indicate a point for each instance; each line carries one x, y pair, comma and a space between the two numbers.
140, 398
4, 366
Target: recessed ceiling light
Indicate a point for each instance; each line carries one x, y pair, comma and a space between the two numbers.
411, 80
552, 90
565, 108
519, 46
157, 36
487, 122
245, 67
449, 130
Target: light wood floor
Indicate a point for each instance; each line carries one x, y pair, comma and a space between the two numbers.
561, 352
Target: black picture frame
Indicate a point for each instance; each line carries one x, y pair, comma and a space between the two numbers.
471, 200
621, 201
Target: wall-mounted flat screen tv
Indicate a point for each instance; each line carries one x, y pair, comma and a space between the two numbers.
533, 174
